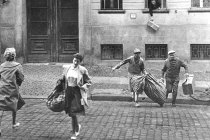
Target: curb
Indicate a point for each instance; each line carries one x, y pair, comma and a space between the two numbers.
189, 101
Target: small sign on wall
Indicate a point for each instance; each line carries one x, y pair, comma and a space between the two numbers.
133, 16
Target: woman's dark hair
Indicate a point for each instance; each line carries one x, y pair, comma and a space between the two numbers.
78, 56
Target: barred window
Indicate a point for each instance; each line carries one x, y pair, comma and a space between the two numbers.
111, 51
200, 3
162, 2
111, 4
156, 51
200, 51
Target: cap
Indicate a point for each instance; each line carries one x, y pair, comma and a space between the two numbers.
171, 52
136, 51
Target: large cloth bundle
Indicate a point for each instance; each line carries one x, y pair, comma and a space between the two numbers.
137, 84
56, 100
155, 89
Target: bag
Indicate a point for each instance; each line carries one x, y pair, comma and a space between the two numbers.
20, 103
56, 101
155, 89
188, 85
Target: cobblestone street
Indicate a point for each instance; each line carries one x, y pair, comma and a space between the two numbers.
111, 121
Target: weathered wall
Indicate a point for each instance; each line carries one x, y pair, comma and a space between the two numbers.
11, 27
179, 28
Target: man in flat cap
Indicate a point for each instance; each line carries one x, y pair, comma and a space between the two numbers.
171, 70
135, 68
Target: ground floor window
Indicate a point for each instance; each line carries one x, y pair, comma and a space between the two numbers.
156, 51
200, 51
111, 51
200, 3
111, 4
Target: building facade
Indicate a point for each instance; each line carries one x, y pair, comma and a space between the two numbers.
106, 31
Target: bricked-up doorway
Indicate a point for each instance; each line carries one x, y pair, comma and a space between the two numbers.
52, 30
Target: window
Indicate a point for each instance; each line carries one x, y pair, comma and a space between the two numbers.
200, 3
111, 5
111, 51
200, 51
162, 2
156, 51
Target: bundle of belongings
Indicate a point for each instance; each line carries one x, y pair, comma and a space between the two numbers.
152, 87
56, 100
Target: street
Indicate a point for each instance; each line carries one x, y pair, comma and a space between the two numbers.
110, 120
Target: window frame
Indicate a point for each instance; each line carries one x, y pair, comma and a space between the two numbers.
111, 11
198, 9
161, 10
163, 45
191, 52
112, 45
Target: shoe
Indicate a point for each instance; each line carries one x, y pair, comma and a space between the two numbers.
137, 105
77, 133
16, 125
74, 137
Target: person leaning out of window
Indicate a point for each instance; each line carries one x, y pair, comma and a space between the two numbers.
153, 4
11, 77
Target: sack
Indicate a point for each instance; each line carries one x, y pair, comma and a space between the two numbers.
155, 89
20, 103
56, 101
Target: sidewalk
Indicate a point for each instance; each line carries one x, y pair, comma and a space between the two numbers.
122, 93
40, 80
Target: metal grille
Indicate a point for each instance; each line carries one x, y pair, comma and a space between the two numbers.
163, 3
111, 4
111, 51
200, 51
200, 3
156, 51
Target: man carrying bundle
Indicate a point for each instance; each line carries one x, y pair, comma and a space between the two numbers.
135, 68
171, 70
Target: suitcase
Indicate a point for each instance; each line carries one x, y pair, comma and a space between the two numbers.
188, 85
155, 89
153, 25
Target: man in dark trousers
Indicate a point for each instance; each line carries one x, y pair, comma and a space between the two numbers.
135, 68
153, 4
171, 70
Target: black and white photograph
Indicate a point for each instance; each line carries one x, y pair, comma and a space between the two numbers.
104, 69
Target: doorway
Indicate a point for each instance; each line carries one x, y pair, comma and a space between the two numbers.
52, 30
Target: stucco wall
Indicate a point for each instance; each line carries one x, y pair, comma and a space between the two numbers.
11, 27
179, 28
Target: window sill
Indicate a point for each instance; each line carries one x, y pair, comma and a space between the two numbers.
194, 9
164, 10
111, 11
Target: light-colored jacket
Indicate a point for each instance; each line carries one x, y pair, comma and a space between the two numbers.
11, 77
83, 81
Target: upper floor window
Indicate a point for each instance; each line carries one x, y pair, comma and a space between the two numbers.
201, 3
200, 51
156, 51
111, 4
161, 2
